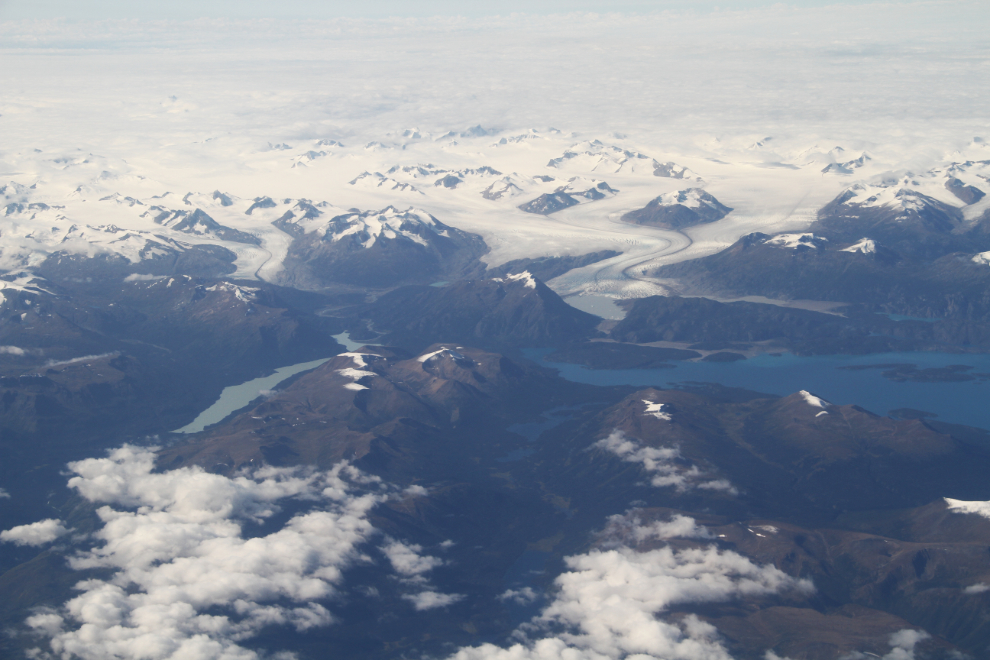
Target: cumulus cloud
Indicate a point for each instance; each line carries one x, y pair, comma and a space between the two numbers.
4, 494
902, 645
607, 605
629, 527
522, 596
184, 581
977, 588
429, 600
976, 508
12, 350
661, 463
412, 567
407, 560
770, 655
35, 534
139, 277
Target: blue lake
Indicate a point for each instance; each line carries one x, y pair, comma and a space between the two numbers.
959, 402
235, 397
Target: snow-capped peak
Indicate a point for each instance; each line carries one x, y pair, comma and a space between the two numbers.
692, 198
379, 180
526, 277
813, 400
794, 241
865, 246
390, 223
426, 357
358, 372
655, 410
595, 156
242, 293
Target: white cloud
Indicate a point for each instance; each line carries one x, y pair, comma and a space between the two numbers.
84, 358
38, 533
12, 350
978, 588
519, 596
429, 600
607, 605
902, 645
138, 277
407, 560
185, 581
662, 464
4, 494
977, 508
630, 527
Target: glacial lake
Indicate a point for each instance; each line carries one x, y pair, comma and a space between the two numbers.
601, 306
965, 402
235, 397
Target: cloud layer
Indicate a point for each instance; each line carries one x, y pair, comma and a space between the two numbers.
36, 534
608, 603
187, 581
662, 465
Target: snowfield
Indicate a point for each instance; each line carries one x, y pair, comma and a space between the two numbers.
95, 204
109, 129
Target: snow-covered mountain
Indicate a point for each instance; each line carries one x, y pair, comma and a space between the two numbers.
577, 190
374, 248
595, 156
485, 182
679, 209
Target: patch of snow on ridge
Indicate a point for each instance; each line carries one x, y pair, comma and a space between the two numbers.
865, 246
449, 351
242, 293
794, 241
525, 277
429, 356
361, 361
961, 506
813, 400
655, 409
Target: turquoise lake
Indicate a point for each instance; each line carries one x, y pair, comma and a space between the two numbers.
966, 402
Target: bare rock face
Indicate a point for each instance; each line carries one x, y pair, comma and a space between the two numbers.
966, 194
567, 196
515, 310
345, 408
549, 203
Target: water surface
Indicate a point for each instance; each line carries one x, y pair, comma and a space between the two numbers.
963, 402
235, 397
602, 306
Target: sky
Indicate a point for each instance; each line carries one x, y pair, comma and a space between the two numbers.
188, 9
